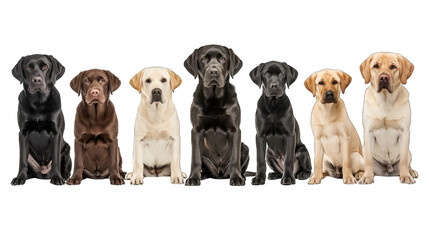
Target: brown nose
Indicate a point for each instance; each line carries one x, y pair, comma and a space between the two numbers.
384, 78
95, 92
37, 80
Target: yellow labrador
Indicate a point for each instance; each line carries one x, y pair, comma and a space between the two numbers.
338, 150
156, 131
387, 118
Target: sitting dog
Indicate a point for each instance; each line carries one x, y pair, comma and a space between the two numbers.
387, 118
43, 153
97, 154
338, 150
157, 130
217, 150
277, 127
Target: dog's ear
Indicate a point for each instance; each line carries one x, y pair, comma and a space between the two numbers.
17, 71
291, 75
114, 82
57, 69
255, 75
76, 83
406, 69
365, 69
136, 81
191, 63
345, 80
235, 63
175, 80
310, 83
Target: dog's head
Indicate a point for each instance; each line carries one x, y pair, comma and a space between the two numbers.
386, 71
155, 84
38, 72
327, 84
95, 85
273, 76
213, 64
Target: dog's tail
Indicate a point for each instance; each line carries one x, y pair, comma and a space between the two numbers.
249, 174
129, 176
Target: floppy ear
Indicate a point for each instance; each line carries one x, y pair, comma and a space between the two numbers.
365, 69
235, 63
114, 82
191, 63
407, 69
175, 80
345, 80
136, 81
57, 69
292, 74
76, 83
255, 75
310, 83
17, 71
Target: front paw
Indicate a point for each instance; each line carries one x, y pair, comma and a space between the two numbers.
19, 180
349, 179
136, 180
302, 175
193, 182
237, 181
74, 181
407, 179
287, 180
358, 175
414, 173
116, 180
315, 179
258, 180
57, 180
177, 178
366, 179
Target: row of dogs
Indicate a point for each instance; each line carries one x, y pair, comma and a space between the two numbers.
217, 150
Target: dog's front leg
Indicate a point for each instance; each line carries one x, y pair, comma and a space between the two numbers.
136, 176
319, 152
261, 165
368, 175
176, 172
288, 177
23, 160
404, 161
56, 177
115, 177
348, 177
235, 176
197, 144
76, 179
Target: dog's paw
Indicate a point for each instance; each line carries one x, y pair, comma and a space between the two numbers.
287, 180
407, 179
193, 182
302, 175
315, 179
366, 179
19, 180
134, 180
57, 180
358, 175
74, 181
258, 181
414, 173
116, 180
349, 179
237, 181
184, 175
274, 176
176, 178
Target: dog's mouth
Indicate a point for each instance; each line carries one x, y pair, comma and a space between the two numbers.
156, 99
213, 83
329, 100
34, 90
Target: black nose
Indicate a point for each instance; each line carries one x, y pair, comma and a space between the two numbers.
37, 80
214, 73
156, 92
274, 85
329, 94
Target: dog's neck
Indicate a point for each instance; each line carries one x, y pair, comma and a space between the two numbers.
386, 100
215, 96
330, 110
157, 112
96, 111
275, 102
38, 98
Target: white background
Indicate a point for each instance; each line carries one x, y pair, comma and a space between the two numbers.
125, 36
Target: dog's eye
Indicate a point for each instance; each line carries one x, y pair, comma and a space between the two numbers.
222, 59
203, 59
392, 67
28, 68
86, 80
376, 66
45, 67
101, 80
163, 80
148, 80
335, 82
321, 83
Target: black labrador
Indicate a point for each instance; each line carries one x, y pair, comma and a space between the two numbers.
43, 152
277, 127
217, 150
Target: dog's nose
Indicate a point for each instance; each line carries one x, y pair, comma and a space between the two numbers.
156, 92
329, 94
37, 80
95, 92
384, 78
274, 85
214, 72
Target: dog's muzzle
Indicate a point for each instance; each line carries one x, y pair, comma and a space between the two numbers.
156, 95
384, 82
329, 96
37, 84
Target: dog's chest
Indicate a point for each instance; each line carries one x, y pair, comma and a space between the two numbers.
385, 144
331, 144
221, 123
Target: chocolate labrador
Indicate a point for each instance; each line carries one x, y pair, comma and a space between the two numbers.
97, 154
277, 127
217, 150
43, 152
